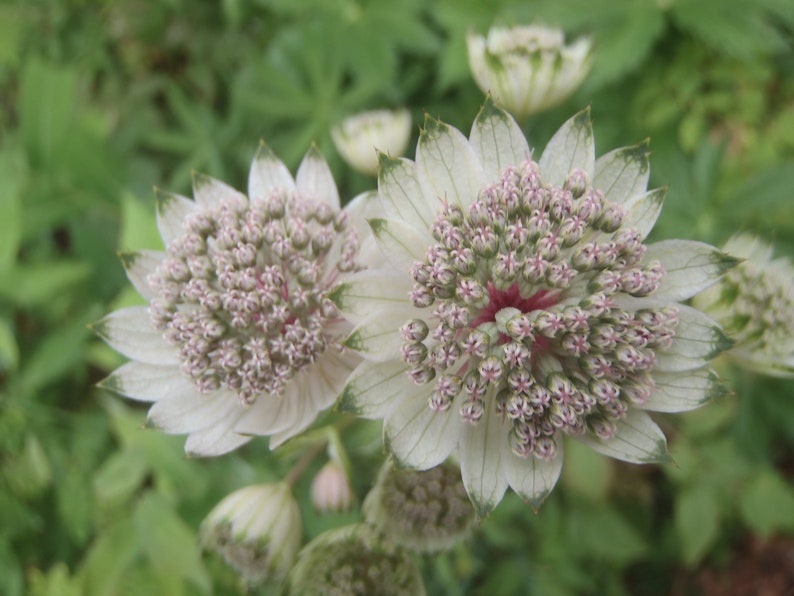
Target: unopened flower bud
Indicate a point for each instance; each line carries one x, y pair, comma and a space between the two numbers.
257, 530
359, 138
331, 490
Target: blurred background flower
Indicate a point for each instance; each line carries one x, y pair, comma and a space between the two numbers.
359, 138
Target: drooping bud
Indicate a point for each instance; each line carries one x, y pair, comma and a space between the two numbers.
331, 490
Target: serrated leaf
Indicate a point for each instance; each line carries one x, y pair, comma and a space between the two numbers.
767, 504
169, 544
697, 519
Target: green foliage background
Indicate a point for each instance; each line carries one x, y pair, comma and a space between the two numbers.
103, 99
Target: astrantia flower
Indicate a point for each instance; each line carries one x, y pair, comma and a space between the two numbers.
257, 530
423, 510
527, 68
359, 138
754, 302
239, 338
520, 305
354, 560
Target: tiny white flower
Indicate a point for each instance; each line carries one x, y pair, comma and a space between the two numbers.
754, 302
239, 338
528, 69
257, 530
423, 510
331, 490
354, 560
359, 138
519, 304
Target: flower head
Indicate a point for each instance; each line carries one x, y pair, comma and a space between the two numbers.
257, 530
354, 560
423, 510
359, 138
527, 68
519, 305
239, 338
754, 302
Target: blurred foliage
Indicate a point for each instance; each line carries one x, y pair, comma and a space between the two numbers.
103, 99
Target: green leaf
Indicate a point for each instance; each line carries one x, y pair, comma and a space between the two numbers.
103, 569
138, 224
119, 477
36, 284
585, 471
9, 351
170, 546
697, 520
10, 208
603, 533
56, 582
767, 503
47, 102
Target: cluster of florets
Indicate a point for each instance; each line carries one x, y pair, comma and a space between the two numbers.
424, 510
525, 290
241, 293
761, 306
353, 560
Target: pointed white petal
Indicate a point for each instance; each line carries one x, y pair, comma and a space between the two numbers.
446, 164
377, 338
481, 465
130, 332
148, 382
401, 244
642, 211
623, 173
638, 440
311, 398
368, 205
571, 148
369, 291
698, 339
690, 267
214, 441
270, 413
497, 140
211, 193
532, 478
139, 265
172, 211
268, 174
375, 387
419, 437
192, 412
315, 180
679, 392
403, 200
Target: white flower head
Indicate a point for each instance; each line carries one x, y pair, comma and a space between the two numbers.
422, 510
528, 68
354, 560
754, 302
519, 304
257, 530
239, 338
331, 490
359, 138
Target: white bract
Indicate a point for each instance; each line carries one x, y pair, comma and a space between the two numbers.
257, 530
527, 68
754, 302
518, 304
239, 338
359, 138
